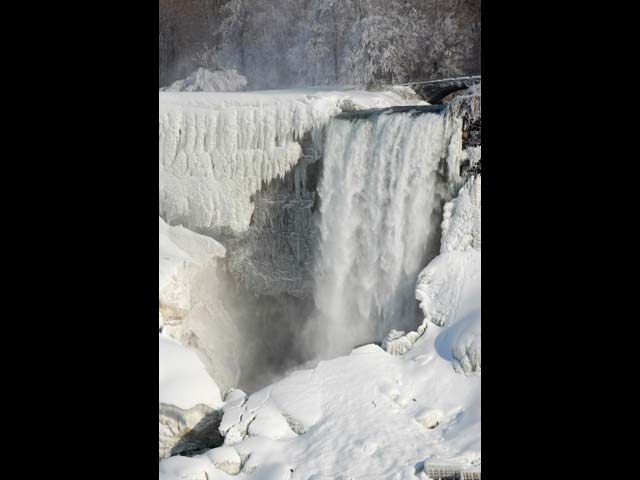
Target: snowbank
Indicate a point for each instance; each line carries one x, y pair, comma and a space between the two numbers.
184, 381
203, 80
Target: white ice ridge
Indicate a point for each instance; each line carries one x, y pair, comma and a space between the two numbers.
217, 149
378, 191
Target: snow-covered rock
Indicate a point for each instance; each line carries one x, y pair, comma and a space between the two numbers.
184, 431
189, 400
203, 80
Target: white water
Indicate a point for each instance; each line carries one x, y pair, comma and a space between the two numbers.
380, 199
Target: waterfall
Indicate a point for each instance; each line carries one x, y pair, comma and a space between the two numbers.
380, 200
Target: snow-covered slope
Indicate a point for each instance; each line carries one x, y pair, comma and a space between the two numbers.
217, 149
184, 381
367, 415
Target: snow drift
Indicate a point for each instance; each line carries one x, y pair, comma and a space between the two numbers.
203, 80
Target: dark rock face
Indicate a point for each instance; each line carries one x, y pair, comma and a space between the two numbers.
188, 432
274, 256
441, 91
271, 265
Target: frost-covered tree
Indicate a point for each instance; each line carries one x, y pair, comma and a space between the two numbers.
383, 42
316, 57
280, 43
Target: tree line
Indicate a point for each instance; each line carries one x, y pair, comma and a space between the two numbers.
286, 43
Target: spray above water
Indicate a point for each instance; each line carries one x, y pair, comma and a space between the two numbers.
380, 199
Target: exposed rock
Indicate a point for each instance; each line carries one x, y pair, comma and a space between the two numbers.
188, 432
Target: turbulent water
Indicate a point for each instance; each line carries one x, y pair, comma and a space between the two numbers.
380, 202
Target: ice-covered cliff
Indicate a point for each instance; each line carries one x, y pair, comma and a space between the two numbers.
218, 149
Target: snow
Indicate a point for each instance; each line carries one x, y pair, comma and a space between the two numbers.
184, 381
203, 80
182, 254
218, 149
366, 415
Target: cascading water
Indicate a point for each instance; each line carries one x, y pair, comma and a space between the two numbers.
379, 203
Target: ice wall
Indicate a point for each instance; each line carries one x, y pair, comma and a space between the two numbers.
218, 149
380, 197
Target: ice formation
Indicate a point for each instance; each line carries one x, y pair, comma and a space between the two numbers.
448, 289
218, 149
378, 194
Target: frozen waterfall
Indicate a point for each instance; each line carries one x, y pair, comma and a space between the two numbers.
380, 203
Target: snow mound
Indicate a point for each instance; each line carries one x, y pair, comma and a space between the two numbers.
203, 80
184, 382
217, 149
